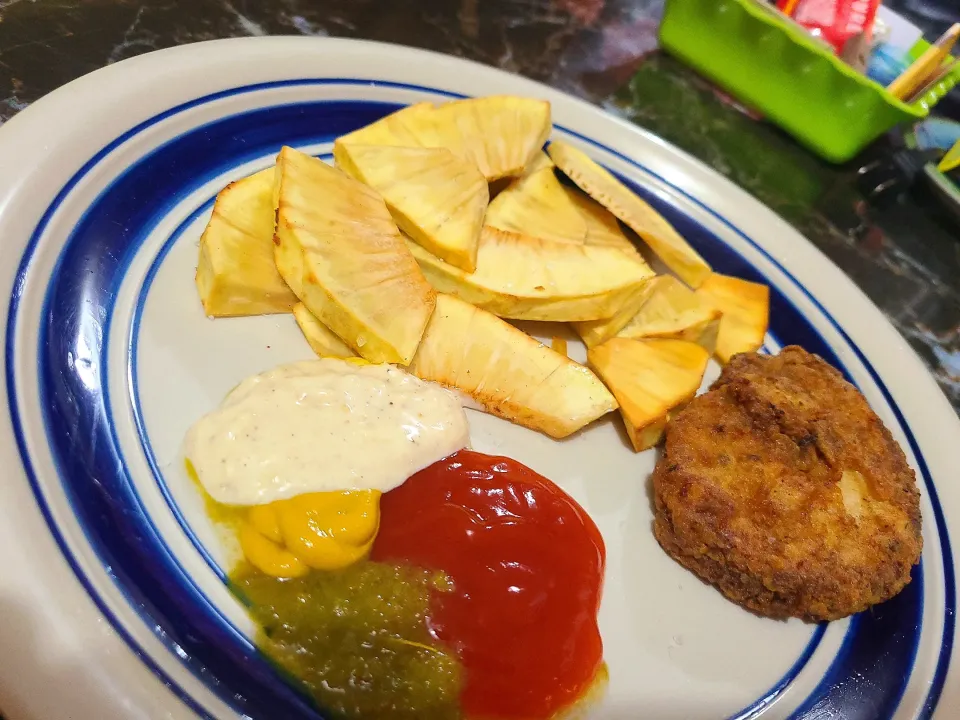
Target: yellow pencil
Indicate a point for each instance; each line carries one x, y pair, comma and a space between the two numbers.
921, 68
935, 79
951, 159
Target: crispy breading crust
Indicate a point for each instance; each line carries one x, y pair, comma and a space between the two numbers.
748, 492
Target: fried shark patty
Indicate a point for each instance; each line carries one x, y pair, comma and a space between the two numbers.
783, 489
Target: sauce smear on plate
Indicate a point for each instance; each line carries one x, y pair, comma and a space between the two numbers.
526, 563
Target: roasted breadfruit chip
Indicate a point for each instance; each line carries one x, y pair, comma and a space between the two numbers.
653, 229
650, 379
340, 251
500, 134
525, 278
390, 130
539, 205
436, 198
507, 372
673, 310
594, 332
236, 274
321, 340
746, 313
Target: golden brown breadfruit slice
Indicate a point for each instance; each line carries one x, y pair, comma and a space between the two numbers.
594, 332
340, 251
539, 205
528, 278
507, 372
649, 379
746, 313
435, 197
655, 231
500, 134
673, 310
236, 274
321, 340
390, 130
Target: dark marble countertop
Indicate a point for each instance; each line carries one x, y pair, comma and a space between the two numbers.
906, 257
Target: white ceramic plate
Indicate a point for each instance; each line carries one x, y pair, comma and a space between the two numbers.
112, 601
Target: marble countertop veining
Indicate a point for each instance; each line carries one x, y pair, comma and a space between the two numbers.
905, 257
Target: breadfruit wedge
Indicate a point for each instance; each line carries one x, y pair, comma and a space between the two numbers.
594, 332
341, 253
236, 274
655, 231
499, 134
675, 311
526, 278
746, 313
539, 161
602, 226
435, 197
539, 205
390, 130
649, 379
323, 342
507, 372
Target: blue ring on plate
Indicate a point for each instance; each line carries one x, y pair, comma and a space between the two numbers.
15, 305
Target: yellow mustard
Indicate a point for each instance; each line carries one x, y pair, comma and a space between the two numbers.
325, 531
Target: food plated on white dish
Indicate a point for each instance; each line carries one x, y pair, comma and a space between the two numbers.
343, 394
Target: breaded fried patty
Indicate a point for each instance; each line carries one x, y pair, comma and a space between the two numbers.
781, 487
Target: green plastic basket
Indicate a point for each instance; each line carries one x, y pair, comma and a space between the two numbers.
773, 65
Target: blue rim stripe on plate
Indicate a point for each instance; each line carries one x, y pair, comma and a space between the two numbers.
135, 392
21, 279
293, 703
762, 704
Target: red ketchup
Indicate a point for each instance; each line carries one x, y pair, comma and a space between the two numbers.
527, 568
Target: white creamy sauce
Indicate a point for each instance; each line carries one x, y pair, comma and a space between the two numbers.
323, 425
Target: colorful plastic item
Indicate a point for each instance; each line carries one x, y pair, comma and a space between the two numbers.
770, 63
836, 21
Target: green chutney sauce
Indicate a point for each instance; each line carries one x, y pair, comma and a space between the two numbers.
357, 639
